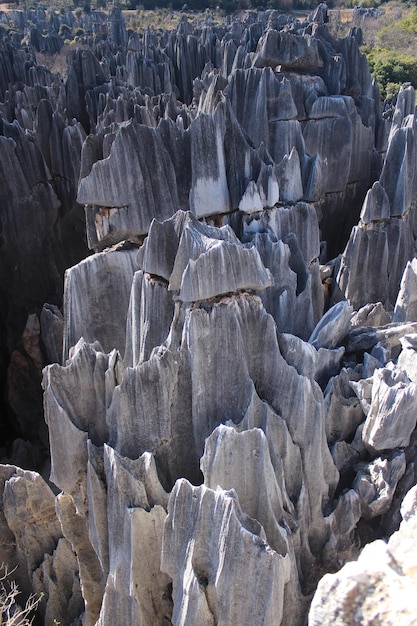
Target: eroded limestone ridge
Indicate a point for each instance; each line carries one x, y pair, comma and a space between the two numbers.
230, 387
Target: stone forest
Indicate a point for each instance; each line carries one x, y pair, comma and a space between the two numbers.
208, 323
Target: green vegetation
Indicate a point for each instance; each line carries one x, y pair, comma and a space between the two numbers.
391, 47
392, 69
390, 42
399, 35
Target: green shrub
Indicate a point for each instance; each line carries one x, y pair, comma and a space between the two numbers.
391, 68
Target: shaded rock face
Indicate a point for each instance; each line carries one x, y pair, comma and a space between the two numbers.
41, 234
387, 216
229, 413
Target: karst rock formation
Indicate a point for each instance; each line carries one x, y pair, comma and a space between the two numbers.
210, 418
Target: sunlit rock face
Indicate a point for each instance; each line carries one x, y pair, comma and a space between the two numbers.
229, 397
379, 585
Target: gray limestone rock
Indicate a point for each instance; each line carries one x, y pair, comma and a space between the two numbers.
235, 544
384, 241
389, 402
359, 287
29, 509
250, 475
209, 192
157, 255
259, 97
238, 125
344, 412
300, 219
376, 482
284, 453
220, 468
406, 305
72, 423
372, 314
122, 180
218, 399
376, 206
45, 561
342, 522
400, 159
149, 317
31, 539
98, 532
52, 330
171, 245
388, 336
135, 585
290, 178
333, 327
99, 314
293, 288
224, 268
318, 135
345, 456
407, 359
74, 526
370, 364
7, 539
57, 578
377, 587
287, 50
143, 413
319, 365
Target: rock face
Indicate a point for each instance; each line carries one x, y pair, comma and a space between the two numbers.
372, 265
376, 589
229, 413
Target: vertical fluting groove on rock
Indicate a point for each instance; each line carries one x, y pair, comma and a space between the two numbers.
405, 306
149, 318
385, 230
29, 510
75, 529
208, 543
209, 184
136, 589
253, 478
57, 581
94, 306
275, 382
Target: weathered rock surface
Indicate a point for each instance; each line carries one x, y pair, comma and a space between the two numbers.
378, 588
230, 411
201, 582
388, 400
372, 265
